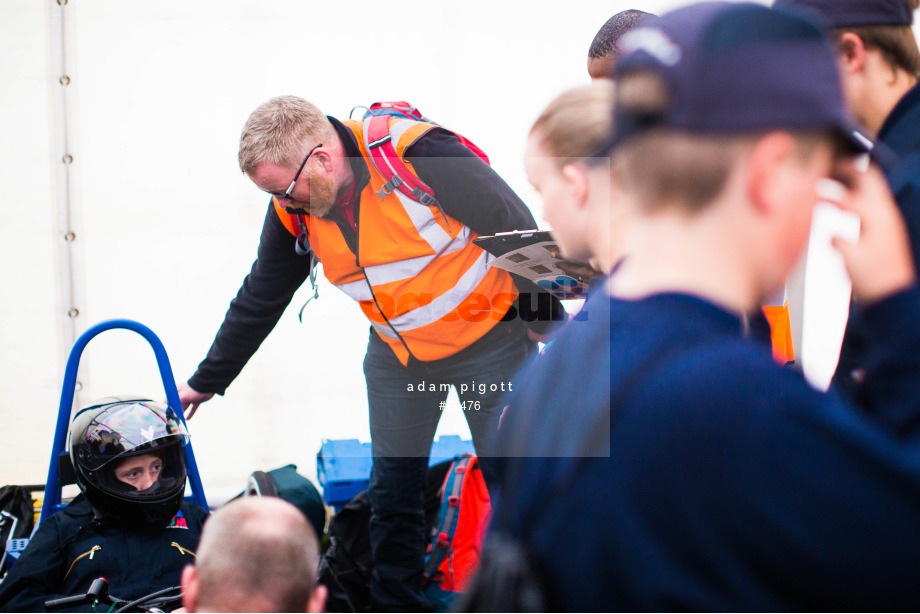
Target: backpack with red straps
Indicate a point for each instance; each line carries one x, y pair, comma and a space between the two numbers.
388, 163
456, 513
455, 548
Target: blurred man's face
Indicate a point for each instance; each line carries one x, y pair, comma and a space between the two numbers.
800, 183
601, 68
851, 88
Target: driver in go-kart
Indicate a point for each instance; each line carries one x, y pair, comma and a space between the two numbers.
130, 525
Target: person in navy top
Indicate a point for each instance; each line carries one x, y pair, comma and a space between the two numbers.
659, 460
879, 63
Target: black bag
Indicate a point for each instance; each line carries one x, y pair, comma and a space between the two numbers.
346, 566
16, 517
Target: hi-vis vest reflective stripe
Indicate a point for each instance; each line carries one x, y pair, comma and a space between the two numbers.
417, 275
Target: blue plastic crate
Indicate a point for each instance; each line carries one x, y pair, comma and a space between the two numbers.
343, 466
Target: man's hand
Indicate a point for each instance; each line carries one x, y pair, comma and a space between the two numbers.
578, 271
191, 399
880, 262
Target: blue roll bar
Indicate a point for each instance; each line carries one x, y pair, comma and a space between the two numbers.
52, 501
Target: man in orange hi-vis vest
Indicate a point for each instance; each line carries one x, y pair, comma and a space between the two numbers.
405, 253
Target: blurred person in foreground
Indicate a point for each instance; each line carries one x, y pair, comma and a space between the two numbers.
691, 472
257, 554
566, 163
879, 62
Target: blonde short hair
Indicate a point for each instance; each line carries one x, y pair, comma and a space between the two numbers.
281, 131
577, 125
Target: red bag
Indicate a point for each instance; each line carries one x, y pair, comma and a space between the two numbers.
456, 542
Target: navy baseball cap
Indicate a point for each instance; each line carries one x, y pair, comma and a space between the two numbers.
734, 68
843, 13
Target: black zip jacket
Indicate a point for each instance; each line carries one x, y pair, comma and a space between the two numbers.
69, 551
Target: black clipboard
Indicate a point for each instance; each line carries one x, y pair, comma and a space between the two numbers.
504, 242
542, 264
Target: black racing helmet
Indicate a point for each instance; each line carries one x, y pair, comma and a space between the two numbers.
114, 429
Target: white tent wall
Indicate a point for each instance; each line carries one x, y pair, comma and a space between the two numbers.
165, 226
31, 329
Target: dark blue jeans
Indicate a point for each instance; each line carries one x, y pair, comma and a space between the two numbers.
405, 406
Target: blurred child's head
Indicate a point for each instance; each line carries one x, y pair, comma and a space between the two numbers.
877, 51
730, 102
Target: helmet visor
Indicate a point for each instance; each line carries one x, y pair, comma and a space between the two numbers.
133, 428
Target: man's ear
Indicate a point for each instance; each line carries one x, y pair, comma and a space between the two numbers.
767, 161
852, 53
576, 178
325, 160
317, 601
190, 587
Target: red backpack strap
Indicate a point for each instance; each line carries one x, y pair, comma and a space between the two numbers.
472, 147
383, 154
449, 515
396, 108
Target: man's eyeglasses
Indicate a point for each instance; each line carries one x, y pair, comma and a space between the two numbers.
287, 193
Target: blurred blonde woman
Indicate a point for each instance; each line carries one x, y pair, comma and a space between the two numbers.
567, 165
